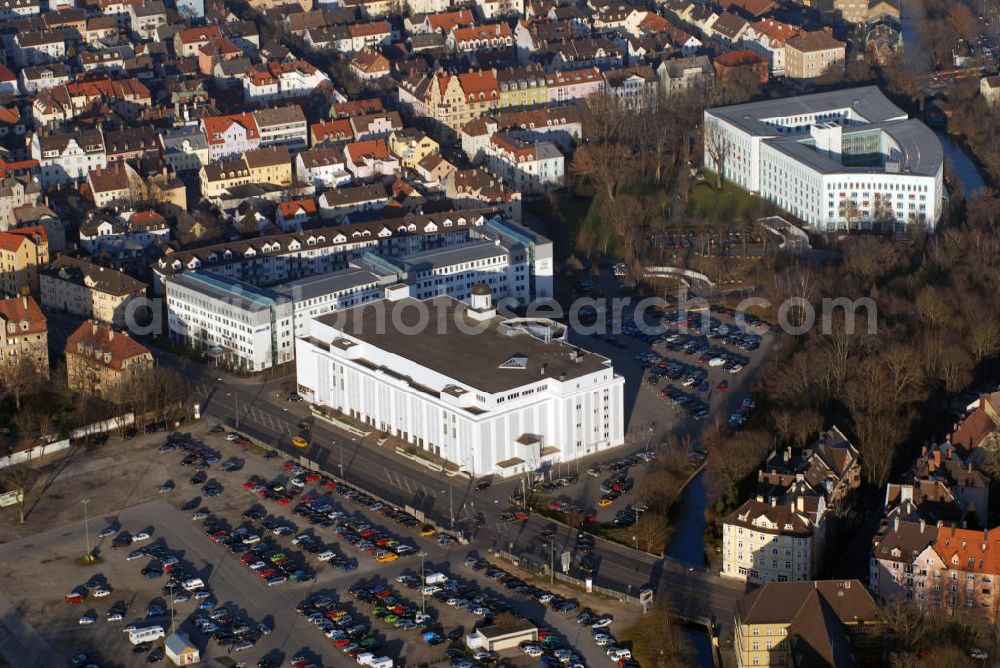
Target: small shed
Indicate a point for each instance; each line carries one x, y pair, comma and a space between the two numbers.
499, 637
181, 650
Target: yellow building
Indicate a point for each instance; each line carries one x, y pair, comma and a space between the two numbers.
23, 252
25, 336
269, 165
411, 146
810, 54
522, 87
89, 290
810, 623
100, 360
452, 99
217, 177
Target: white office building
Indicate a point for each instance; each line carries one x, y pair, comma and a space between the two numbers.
844, 159
492, 396
239, 325
200, 302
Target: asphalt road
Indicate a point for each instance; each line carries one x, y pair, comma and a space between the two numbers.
269, 418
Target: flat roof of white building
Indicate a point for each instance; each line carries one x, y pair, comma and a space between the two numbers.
868, 102
236, 293
920, 149
856, 110
312, 287
452, 255
497, 359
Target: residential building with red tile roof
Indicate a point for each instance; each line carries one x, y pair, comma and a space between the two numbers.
728, 66
230, 134
481, 37
369, 65
24, 251
292, 214
86, 289
100, 360
25, 335
337, 130
370, 159
452, 99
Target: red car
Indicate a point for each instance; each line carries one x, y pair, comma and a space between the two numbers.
284, 501
220, 535
343, 642
266, 573
722, 387
313, 477
287, 466
73, 599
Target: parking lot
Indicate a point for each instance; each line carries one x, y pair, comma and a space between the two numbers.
259, 553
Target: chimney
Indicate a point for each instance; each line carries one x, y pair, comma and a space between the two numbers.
760, 499
800, 503
895, 523
922, 525
24, 302
788, 454
937, 457
774, 502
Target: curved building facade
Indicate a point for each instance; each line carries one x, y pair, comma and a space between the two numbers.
846, 159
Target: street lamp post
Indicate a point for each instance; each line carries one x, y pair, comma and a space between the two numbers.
423, 611
638, 513
552, 561
341, 441
86, 527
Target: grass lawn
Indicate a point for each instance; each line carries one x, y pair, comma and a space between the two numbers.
653, 636
727, 205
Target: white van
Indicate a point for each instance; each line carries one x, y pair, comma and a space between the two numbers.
435, 578
381, 662
146, 634
621, 655
365, 659
193, 583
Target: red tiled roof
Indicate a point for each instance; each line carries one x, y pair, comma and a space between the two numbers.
969, 551
373, 147
338, 129
291, 208
369, 29
196, 35
34, 232
356, 108
23, 309
219, 124
93, 336
741, 57
445, 21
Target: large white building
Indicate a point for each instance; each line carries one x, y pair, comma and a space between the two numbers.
490, 395
843, 159
241, 326
201, 304
281, 258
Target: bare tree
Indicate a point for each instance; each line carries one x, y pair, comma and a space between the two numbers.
718, 147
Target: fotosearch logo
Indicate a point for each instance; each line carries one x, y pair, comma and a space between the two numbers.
795, 316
